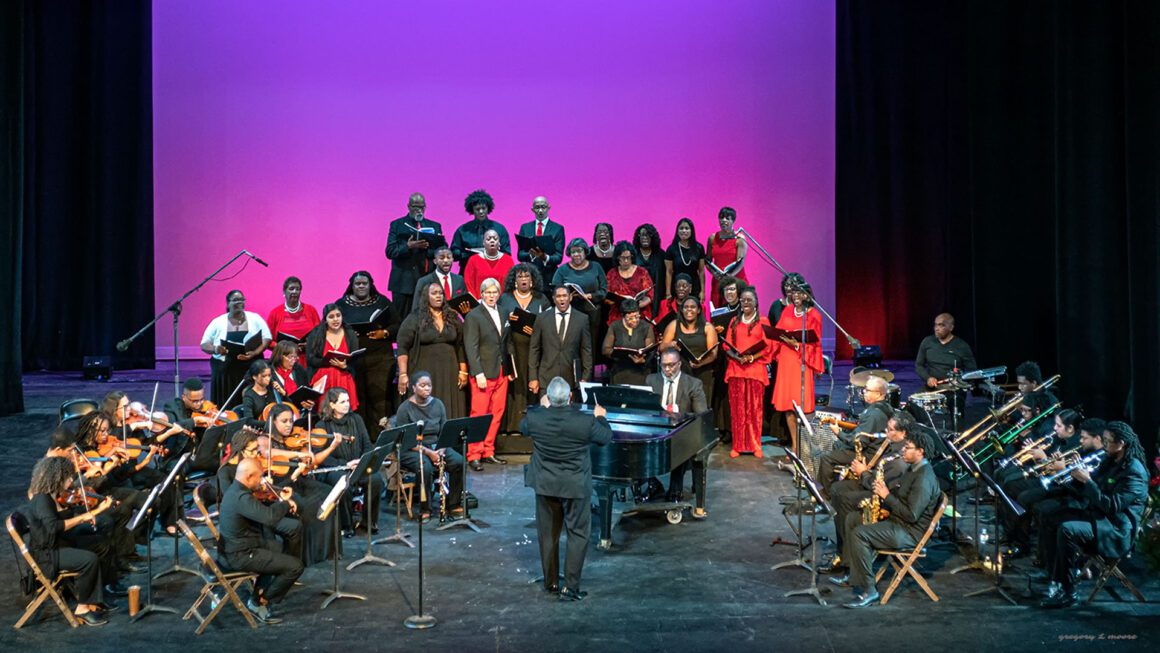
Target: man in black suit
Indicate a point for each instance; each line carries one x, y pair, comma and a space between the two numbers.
912, 507
486, 344
443, 276
561, 474
546, 260
872, 420
559, 340
410, 254
1115, 496
244, 547
680, 394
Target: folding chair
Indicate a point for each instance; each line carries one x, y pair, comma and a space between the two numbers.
205, 515
1108, 568
397, 482
903, 561
17, 527
74, 409
216, 579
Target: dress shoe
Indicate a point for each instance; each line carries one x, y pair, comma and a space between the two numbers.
107, 608
262, 613
92, 618
567, 594
552, 589
841, 581
347, 533
130, 568
476, 465
833, 566
1058, 597
115, 590
492, 460
864, 600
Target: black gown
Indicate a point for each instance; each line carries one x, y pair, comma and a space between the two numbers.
374, 376
695, 344
439, 353
519, 396
623, 370
687, 261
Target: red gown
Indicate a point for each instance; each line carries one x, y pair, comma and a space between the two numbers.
336, 378
722, 253
787, 387
746, 384
639, 281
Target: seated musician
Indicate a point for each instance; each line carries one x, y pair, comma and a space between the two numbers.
871, 421
186, 412
50, 521
681, 394
260, 393
911, 506
848, 493
631, 332
1020, 484
1056, 501
422, 406
1114, 497
244, 547
351, 443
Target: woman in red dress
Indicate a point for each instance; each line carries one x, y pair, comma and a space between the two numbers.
628, 279
789, 354
294, 317
749, 351
333, 336
491, 264
727, 250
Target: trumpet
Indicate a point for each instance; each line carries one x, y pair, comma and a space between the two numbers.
996, 417
1088, 463
1023, 456
1067, 458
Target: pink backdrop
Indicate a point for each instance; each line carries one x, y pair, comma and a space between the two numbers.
297, 130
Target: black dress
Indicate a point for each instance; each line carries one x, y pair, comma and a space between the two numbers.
688, 261
353, 426
439, 353
624, 371
695, 343
655, 266
374, 375
254, 404
518, 394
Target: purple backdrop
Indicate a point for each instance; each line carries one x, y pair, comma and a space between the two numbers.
298, 129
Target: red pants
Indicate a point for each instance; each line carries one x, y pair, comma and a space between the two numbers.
491, 400
745, 397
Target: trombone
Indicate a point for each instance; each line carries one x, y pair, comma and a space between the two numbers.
1023, 456
996, 444
969, 437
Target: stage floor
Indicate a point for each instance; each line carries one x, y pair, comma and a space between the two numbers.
695, 586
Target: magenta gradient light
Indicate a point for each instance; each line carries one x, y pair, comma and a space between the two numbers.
297, 130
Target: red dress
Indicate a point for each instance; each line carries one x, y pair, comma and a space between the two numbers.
297, 324
787, 388
746, 383
479, 269
336, 378
629, 287
722, 253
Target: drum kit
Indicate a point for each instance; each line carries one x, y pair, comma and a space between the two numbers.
924, 406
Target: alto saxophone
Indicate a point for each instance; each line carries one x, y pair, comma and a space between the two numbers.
845, 470
444, 488
871, 507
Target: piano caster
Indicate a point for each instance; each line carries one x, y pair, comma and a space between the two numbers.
675, 516
604, 545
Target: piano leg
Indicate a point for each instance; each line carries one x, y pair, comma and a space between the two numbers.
699, 480
604, 496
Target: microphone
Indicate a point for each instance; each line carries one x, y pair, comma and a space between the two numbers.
124, 344
256, 259
419, 424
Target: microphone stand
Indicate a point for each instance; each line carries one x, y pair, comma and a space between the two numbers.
175, 309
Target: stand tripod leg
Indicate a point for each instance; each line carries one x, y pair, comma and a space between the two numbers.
335, 593
177, 568
369, 557
813, 590
149, 606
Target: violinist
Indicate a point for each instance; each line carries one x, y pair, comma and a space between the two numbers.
49, 523
260, 394
134, 419
338, 420
288, 373
245, 547
422, 406
311, 491
236, 325
136, 471
191, 412
293, 317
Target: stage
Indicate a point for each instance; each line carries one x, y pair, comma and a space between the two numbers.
695, 586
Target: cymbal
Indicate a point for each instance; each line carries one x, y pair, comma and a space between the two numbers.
860, 375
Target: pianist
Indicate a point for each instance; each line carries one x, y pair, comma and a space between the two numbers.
681, 394
561, 474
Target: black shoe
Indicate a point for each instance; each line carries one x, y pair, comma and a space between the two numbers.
115, 590
1058, 598
492, 460
92, 618
348, 533
107, 608
833, 566
129, 568
374, 530
262, 613
476, 466
864, 599
567, 594
841, 581
552, 589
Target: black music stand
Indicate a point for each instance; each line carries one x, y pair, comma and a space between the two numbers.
462, 432
394, 438
409, 440
142, 515
367, 465
971, 467
175, 479
624, 397
324, 512
808, 483
996, 566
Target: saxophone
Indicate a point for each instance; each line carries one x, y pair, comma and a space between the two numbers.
844, 471
871, 507
444, 488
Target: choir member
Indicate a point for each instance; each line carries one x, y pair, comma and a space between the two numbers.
293, 317
697, 341
745, 374
288, 373
431, 338
333, 335
601, 252
236, 325
544, 260
411, 243
685, 256
628, 332
487, 347
591, 280
726, 250
521, 290
362, 304
646, 240
468, 239
790, 354
490, 264
628, 280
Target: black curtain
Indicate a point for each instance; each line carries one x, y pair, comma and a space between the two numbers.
79, 196
998, 160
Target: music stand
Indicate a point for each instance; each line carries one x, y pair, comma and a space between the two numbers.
806, 481
324, 511
397, 439
623, 396
174, 478
367, 465
142, 515
462, 432
420, 620
997, 564
971, 467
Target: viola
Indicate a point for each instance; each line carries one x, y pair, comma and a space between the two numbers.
318, 438
210, 412
269, 407
78, 497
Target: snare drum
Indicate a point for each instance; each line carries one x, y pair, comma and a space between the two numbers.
931, 402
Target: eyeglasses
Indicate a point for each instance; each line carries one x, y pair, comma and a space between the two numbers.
908, 445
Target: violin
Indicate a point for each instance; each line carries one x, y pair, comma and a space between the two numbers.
217, 418
131, 448
78, 497
269, 407
317, 438
158, 421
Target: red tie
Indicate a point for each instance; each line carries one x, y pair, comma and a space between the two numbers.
447, 287
539, 228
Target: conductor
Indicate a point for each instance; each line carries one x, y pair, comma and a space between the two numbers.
561, 474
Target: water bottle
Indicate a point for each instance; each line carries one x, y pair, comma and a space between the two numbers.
984, 537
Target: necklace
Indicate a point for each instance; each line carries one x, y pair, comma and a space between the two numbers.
350, 299
602, 253
797, 313
750, 320
681, 250
492, 258
295, 309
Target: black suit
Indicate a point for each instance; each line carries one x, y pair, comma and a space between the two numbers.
407, 264
553, 230
560, 472
549, 357
484, 346
458, 285
912, 507
690, 398
872, 420
245, 548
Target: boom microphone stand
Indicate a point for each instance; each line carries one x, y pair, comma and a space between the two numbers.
175, 309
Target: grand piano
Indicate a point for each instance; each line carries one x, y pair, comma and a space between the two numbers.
646, 442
